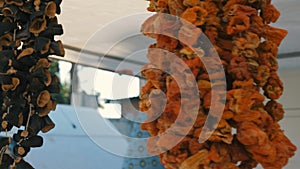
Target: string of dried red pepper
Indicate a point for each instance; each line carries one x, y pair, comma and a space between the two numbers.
247, 46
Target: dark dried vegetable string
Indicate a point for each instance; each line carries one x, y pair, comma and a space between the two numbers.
26, 83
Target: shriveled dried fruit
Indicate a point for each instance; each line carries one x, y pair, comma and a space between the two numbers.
195, 15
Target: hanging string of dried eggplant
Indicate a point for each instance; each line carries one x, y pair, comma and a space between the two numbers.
27, 31
247, 46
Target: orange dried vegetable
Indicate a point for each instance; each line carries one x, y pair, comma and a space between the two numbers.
195, 146
213, 21
276, 35
241, 100
278, 139
247, 115
254, 136
155, 74
146, 89
157, 5
239, 68
244, 84
270, 14
237, 151
195, 15
248, 40
238, 9
275, 109
268, 46
222, 133
238, 24
187, 52
248, 164
191, 2
211, 8
204, 87
176, 7
218, 155
269, 60
236, 29
262, 75
162, 3
145, 105
257, 25
246, 45
230, 3
227, 45
274, 87
166, 42
194, 64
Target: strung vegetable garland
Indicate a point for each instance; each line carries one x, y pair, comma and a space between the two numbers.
27, 30
247, 46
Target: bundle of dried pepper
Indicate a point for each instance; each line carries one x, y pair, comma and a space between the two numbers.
239, 31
